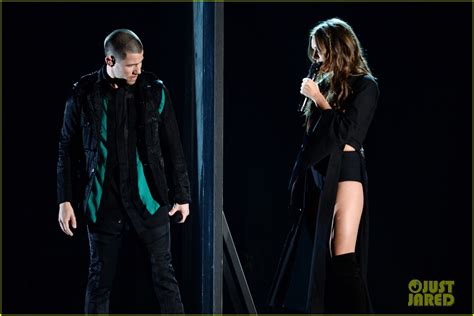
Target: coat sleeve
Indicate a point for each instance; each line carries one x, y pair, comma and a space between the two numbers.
334, 128
170, 138
68, 139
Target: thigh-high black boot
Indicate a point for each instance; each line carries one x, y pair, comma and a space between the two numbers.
345, 288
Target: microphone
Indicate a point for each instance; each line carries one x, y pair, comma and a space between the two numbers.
313, 72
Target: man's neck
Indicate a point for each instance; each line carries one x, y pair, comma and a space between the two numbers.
108, 69
111, 76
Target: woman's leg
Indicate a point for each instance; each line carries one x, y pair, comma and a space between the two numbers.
345, 291
347, 214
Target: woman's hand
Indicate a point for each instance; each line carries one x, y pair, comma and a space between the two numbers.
310, 89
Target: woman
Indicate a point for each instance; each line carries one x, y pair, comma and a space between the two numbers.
324, 263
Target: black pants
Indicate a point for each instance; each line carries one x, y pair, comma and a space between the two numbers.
104, 253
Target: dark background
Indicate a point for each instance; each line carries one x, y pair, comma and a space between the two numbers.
418, 148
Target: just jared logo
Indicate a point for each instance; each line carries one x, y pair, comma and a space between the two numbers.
430, 293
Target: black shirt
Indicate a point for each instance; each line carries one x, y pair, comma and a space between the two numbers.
120, 202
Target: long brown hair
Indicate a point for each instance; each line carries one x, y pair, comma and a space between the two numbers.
343, 56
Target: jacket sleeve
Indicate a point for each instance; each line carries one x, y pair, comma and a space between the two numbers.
334, 128
68, 139
170, 138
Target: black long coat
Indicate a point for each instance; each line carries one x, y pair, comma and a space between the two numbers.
300, 279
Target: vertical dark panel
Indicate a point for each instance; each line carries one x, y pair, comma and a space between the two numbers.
208, 45
218, 154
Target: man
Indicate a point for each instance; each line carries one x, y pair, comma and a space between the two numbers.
118, 143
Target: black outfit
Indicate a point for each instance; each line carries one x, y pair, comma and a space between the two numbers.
135, 127
307, 265
350, 167
157, 140
104, 252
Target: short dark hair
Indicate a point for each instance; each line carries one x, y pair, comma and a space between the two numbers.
120, 42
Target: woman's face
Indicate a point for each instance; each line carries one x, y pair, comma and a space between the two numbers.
318, 55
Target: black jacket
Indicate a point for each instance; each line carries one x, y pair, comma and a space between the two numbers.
158, 139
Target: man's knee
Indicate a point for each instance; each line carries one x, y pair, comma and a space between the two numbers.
101, 274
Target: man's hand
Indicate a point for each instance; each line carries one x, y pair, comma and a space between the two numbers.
182, 208
66, 215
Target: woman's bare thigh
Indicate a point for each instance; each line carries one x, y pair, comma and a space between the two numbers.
347, 214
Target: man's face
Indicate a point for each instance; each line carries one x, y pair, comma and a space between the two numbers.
128, 68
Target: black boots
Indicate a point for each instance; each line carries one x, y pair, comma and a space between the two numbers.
345, 290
